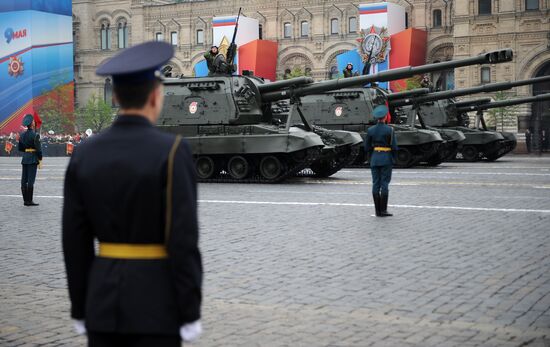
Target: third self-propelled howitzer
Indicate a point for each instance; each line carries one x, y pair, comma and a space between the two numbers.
334, 105
440, 110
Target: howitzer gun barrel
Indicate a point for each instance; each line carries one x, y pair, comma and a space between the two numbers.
471, 102
278, 85
493, 87
495, 57
408, 93
505, 103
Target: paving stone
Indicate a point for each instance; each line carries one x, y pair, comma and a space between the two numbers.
325, 275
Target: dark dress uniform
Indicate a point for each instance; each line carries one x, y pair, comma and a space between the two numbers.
145, 281
29, 144
381, 148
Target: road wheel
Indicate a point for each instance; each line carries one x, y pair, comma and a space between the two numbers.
238, 167
404, 158
469, 153
205, 167
270, 167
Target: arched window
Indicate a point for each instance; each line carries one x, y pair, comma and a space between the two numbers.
352, 25
334, 27
485, 75
287, 30
108, 92
406, 20
484, 6
105, 36
437, 18
333, 73
531, 4
200, 37
159, 37
304, 29
122, 35
174, 38
260, 31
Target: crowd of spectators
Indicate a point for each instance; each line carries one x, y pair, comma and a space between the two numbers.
47, 140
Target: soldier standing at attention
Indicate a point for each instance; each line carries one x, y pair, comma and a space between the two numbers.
29, 143
381, 147
348, 71
210, 56
133, 189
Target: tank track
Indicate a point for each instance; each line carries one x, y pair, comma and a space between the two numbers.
491, 151
343, 157
291, 168
447, 151
504, 147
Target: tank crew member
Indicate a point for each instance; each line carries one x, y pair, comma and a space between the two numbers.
426, 83
381, 147
348, 71
29, 143
133, 189
210, 56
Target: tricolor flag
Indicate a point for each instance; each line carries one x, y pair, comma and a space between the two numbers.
222, 22
372, 9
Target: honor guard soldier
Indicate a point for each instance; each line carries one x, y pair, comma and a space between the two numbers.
29, 144
381, 147
132, 188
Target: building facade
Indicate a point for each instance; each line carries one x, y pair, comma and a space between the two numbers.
311, 33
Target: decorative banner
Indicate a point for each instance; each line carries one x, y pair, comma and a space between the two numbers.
260, 57
374, 46
383, 15
386, 16
412, 45
36, 57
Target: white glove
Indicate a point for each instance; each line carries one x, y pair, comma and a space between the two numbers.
79, 327
190, 332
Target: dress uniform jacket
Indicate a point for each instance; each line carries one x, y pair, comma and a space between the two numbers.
30, 140
115, 191
381, 135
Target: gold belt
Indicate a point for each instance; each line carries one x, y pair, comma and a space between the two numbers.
382, 149
132, 250
30, 150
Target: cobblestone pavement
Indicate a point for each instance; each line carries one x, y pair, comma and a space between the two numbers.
465, 261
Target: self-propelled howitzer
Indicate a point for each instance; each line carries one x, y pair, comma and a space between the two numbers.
441, 111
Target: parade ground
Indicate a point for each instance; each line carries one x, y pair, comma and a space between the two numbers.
465, 261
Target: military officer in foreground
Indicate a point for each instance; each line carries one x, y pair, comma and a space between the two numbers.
133, 189
29, 144
381, 148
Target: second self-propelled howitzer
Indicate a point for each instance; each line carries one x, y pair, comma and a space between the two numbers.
333, 105
441, 111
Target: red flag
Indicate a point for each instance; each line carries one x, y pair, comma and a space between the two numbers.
37, 119
8, 146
